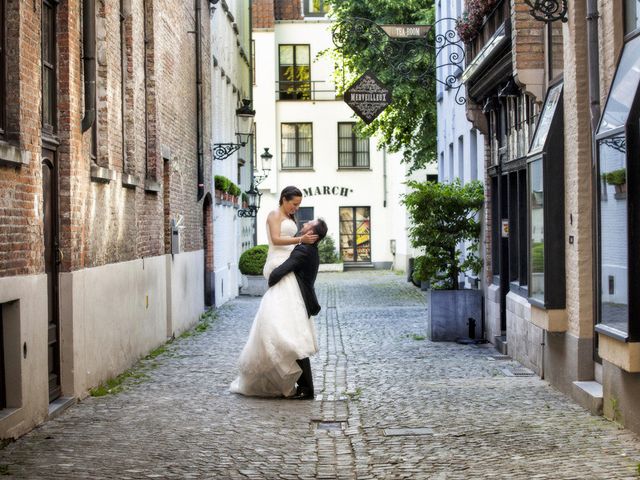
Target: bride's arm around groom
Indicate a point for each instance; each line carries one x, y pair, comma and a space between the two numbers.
304, 262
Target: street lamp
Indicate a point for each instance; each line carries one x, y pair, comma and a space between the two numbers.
265, 166
253, 203
244, 120
548, 11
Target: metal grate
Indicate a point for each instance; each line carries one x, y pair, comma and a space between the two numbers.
400, 432
518, 372
332, 426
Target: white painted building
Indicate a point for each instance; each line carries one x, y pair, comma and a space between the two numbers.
231, 83
460, 146
345, 179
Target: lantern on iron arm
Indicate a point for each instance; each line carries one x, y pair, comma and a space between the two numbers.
244, 121
253, 194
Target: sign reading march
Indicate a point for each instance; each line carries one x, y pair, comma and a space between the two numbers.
368, 97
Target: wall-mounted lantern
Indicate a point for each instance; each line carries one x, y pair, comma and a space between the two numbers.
244, 130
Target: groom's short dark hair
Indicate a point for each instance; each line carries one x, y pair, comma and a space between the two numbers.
320, 229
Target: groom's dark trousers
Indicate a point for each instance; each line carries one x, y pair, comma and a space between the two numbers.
303, 262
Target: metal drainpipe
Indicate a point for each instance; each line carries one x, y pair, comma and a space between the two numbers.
594, 63
384, 174
89, 62
198, 12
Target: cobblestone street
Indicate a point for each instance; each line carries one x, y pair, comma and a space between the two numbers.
390, 404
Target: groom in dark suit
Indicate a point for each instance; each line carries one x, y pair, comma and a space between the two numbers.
304, 262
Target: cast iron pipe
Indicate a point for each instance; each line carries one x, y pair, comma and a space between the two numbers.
89, 62
198, 14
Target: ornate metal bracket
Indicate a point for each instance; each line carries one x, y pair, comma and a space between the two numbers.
548, 11
406, 57
248, 212
224, 150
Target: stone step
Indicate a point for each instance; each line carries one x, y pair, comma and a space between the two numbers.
501, 344
589, 395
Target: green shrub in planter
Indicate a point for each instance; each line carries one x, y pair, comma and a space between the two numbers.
537, 257
234, 190
252, 260
221, 183
327, 251
615, 177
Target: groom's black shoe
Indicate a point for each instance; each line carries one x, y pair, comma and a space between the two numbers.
303, 393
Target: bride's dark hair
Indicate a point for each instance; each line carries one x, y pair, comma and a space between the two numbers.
289, 193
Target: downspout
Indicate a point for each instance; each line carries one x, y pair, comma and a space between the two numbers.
89, 62
198, 32
384, 175
594, 63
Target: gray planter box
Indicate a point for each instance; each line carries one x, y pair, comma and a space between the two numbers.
254, 285
448, 314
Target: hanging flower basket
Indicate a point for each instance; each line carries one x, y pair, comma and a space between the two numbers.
469, 25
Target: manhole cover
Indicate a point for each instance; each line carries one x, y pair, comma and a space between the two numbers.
334, 426
518, 372
398, 432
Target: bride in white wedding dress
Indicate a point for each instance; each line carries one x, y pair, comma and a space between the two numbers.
282, 331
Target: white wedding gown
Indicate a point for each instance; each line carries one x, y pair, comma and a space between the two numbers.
281, 332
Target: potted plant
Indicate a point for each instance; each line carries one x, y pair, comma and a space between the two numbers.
251, 264
221, 185
444, 216
468, 26
234, 191
617, 178
329, 258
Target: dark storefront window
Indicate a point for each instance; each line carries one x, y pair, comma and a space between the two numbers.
631, 15
3, 68
353, 149
618, 148
355, 234
297, 145
304, 215
294, 78
49, 123
545, 191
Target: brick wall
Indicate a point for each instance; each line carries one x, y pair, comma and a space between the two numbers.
21, 241
527, 38
107, 221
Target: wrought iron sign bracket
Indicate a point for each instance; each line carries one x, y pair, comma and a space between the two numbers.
224, 150
548, 11
402, 54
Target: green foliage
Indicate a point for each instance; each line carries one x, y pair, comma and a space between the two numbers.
537, 257
409, 123
442, 216
615, 177
234, 190
327, 251
221, 183
252, 260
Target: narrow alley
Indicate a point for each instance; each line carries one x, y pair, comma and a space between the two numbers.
389, 404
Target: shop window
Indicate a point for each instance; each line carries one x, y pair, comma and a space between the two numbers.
297, 145
49, 70
631, 15
355, 234
304, 215
294, 74
617, 140
353, 149
546, 206
316, 8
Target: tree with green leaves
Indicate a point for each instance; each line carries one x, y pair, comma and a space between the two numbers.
444, 215
409, 123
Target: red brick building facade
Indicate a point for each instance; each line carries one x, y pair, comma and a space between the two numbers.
90, 187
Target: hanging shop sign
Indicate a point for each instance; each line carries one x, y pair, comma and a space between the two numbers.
327, 190
406, 31
368, 97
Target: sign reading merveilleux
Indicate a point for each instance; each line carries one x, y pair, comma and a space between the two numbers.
368, 97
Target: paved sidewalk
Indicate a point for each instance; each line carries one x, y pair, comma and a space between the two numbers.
390, 405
